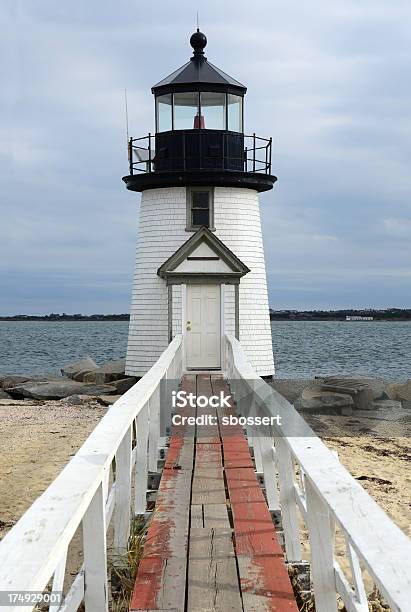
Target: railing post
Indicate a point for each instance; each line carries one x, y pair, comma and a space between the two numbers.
287, 500
141, 472
122, 508
321, 548
154, 430
167, 408
130, 155
58, 580
271, 147
270, 474
254, 152
149, 151
95, 554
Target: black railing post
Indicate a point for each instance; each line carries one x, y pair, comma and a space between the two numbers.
149, 151
269, 167
254, 152
246, 159
184, 150
130, 155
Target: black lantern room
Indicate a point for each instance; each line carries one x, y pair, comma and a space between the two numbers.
199, 137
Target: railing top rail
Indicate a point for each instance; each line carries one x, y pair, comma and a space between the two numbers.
32, 548
379, 542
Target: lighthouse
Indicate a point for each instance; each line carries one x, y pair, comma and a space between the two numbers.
200, 267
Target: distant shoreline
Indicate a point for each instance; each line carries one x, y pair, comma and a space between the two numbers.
389, 314
64, 318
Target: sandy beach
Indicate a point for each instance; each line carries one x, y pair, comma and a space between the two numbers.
37, 440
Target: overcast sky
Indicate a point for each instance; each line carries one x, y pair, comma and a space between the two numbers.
330, 81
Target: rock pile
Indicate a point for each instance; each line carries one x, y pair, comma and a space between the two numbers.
80, 382
343, 394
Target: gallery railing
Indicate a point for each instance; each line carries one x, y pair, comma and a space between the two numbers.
191, 150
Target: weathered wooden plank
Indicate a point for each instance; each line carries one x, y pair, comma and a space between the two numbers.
208, 486
196, 516
210, 516
160, 584
210, 543
237, 458
180, 454
265, 585
216, 515
209, 455
212, 572
168, 532
254, 530
243, 486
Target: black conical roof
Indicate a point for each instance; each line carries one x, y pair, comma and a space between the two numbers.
198, 74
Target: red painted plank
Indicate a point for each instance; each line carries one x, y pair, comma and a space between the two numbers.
265, 585
254, 530
243, 486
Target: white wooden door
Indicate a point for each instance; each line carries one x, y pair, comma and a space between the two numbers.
202, 327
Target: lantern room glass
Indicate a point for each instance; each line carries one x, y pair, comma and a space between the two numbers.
186, 112
235, 113
193, 110
164, 112
212, 107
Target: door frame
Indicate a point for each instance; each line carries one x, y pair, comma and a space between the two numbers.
184, 331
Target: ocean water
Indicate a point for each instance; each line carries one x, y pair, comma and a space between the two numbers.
302, 349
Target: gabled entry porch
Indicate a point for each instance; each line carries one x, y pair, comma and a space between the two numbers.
203, 266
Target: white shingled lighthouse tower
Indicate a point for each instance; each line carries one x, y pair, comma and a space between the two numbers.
200, 268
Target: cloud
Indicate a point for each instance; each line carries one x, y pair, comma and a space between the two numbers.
326, 80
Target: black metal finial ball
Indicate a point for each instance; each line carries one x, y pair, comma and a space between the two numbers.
198, 41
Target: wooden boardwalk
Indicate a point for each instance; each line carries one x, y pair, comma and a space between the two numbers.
211, 544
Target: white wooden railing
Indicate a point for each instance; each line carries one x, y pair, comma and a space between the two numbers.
91, 494
303, 476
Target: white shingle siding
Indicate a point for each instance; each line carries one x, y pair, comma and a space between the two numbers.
161, 232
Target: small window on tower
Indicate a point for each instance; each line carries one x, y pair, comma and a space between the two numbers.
199, 208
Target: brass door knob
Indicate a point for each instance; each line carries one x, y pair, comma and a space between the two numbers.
188, 326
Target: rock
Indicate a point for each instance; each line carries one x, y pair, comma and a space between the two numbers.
392, 390
78, 400
388, 404
108, 372
324, 402
402, 391
289, 388
58, 390
81, 375
312, 391
12, 381
124, 384
107, 400
76, 368
376, 385
4, 394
